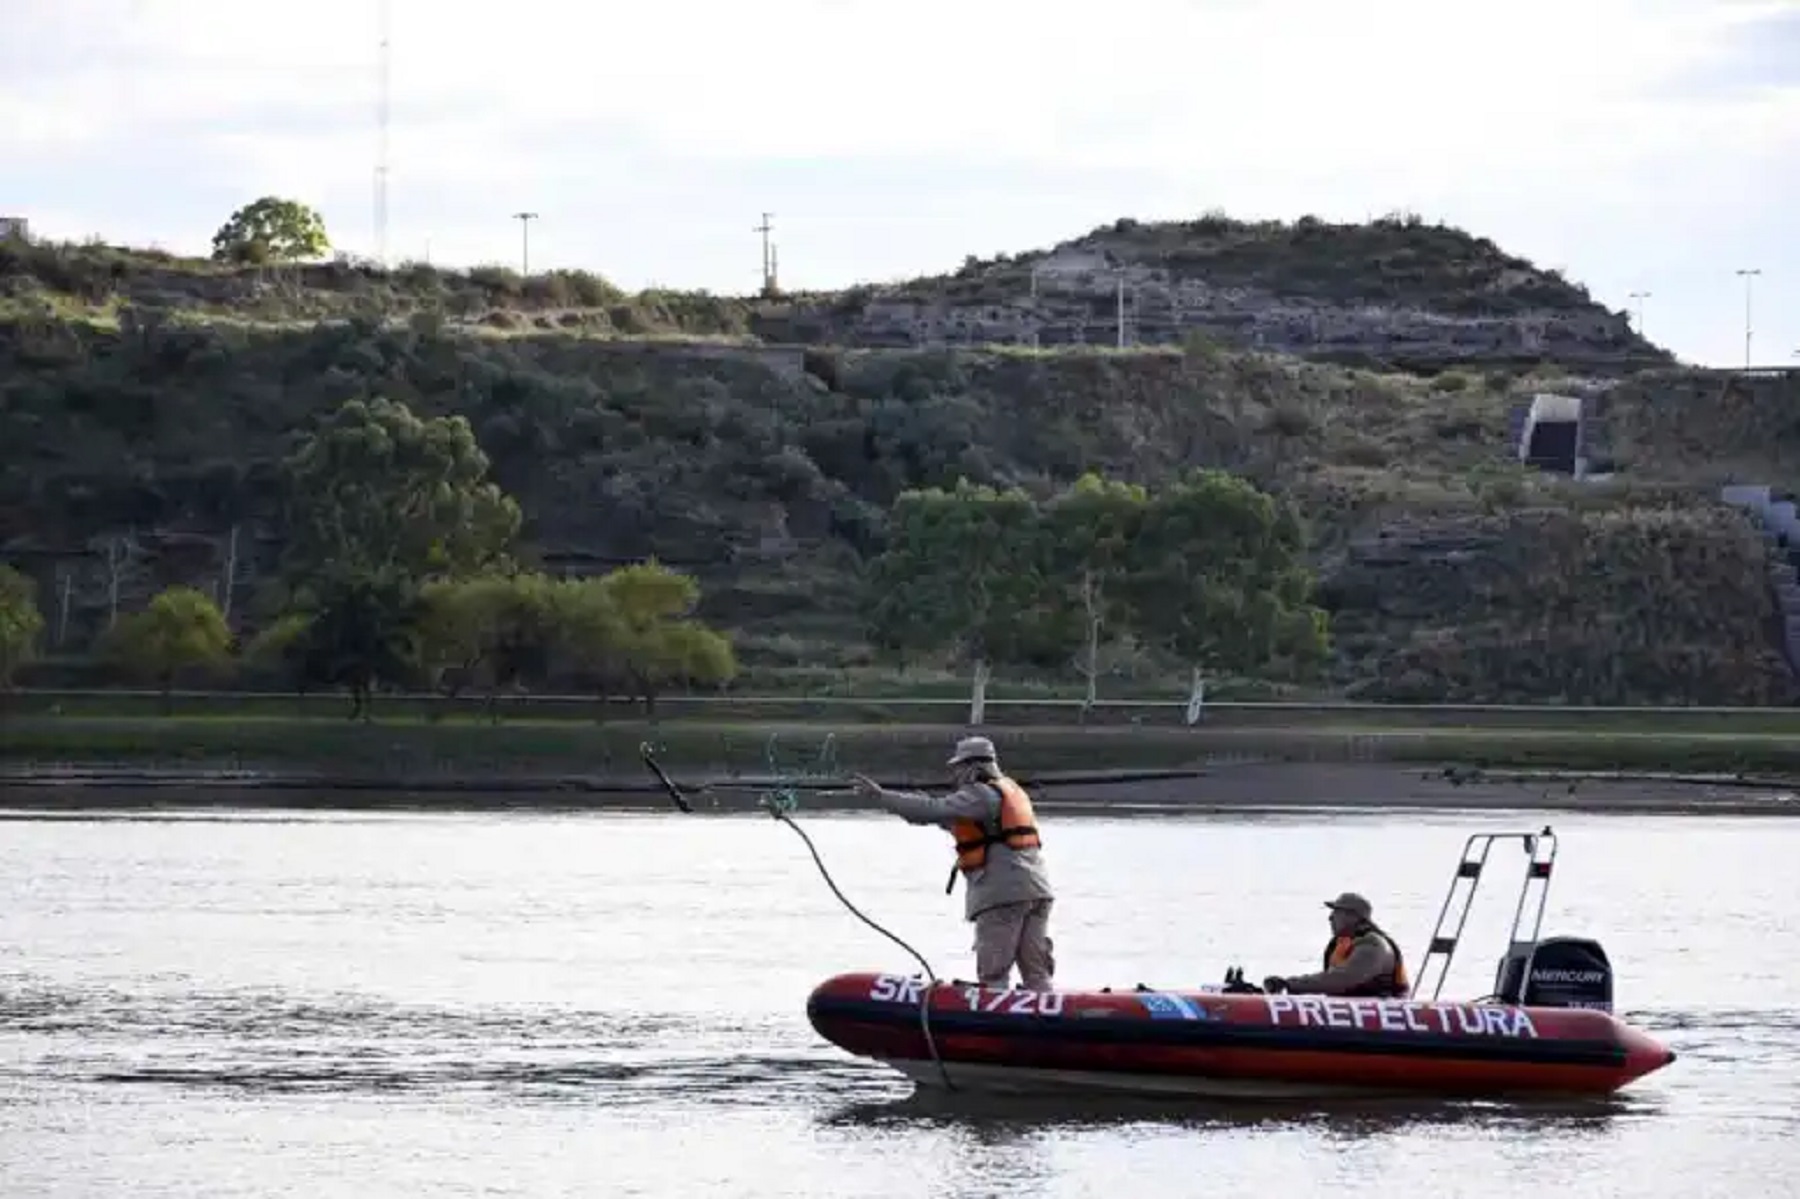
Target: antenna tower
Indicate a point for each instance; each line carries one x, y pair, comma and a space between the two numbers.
384, 17
768, 256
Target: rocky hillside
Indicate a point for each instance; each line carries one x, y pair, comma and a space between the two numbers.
1392, 294
139, 427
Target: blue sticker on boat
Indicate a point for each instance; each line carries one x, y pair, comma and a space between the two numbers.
1169, 1007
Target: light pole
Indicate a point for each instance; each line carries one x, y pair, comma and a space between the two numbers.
1640, 297
1748, 275
525, 219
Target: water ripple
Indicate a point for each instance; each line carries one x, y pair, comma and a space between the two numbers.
270, 1043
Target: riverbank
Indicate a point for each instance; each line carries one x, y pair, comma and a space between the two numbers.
472, 749
68, 762
924, 706
1250, 787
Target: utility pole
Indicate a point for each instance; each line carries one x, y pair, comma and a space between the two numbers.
525, 219
1640, 297
1748, 276
383, 86
768, 255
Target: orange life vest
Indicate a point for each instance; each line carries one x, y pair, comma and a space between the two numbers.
1395, 985
1017, 828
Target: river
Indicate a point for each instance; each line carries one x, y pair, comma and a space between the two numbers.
386, 1005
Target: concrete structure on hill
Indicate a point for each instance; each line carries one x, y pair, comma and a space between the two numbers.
1552, 435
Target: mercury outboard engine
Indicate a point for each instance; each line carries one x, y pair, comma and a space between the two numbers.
1570, 972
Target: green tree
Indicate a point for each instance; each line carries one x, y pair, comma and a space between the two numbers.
359, 633
21, 624
496, 631
375, 493
278, 650
590, 635
962, 571
181, 629
1219, 579
271, 230
659, 643
1091, 529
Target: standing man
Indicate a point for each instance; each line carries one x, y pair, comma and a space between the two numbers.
1008, 895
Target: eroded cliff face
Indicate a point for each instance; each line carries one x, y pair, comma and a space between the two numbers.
1407, 296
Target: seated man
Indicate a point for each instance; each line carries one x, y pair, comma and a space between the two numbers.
1360, 959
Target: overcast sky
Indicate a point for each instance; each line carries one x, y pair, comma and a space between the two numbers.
1641, 145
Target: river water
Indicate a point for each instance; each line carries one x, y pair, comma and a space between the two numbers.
613, 1005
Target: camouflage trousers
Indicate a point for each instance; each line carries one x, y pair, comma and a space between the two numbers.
1010, 934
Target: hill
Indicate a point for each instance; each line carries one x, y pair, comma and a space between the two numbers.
1392, 294
144, 401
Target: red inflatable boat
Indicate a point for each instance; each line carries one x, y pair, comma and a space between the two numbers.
1548, 1031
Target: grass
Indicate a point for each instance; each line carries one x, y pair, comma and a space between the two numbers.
937, 706
408, 746
97, 279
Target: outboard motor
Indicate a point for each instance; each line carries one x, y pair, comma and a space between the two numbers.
1571, 972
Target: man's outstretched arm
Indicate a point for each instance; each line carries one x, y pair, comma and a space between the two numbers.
969, 802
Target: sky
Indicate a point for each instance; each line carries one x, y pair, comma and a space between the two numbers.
1638, 145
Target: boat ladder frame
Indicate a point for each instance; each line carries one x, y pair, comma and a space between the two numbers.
1442, 946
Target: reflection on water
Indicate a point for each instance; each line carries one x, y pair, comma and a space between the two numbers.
927, 1109
507, 1005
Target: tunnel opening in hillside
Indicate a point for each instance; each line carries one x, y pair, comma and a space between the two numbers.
1551, 437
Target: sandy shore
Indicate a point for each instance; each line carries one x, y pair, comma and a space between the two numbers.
1247, 787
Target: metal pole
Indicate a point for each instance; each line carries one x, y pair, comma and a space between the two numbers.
1748, 275
768, 263
1640, 297
525, 219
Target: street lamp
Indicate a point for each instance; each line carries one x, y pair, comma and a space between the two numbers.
1748, 275
525, 219
1640, 297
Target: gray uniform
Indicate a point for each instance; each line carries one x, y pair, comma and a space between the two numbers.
1371, 958
1008, 899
